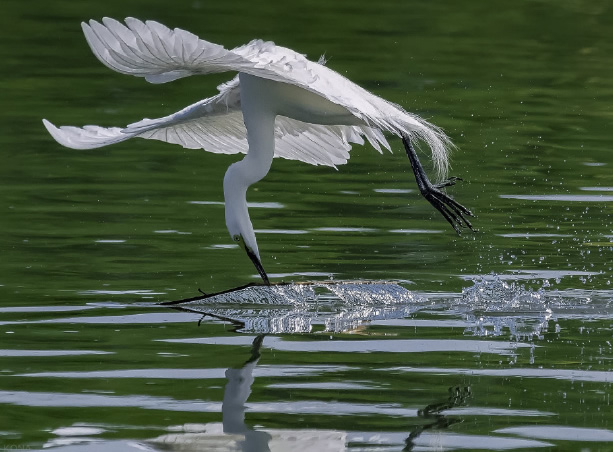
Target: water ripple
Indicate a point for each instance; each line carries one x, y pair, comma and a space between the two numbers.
15, 353
371, 346
565, 198
556, 374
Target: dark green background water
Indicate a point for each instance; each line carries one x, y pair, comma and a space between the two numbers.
89, 238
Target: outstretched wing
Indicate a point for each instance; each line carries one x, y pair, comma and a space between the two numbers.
151, 50
216, 125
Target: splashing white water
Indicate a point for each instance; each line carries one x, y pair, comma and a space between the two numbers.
350, 292
297, 308
496, 295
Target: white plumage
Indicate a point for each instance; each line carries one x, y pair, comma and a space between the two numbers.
314, 114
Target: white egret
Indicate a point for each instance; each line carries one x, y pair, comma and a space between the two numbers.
279, 105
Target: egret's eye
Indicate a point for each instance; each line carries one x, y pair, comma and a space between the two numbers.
237, 238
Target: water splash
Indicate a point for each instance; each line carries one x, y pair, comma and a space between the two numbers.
297, 308
371, 293
492, 294
519, 327
349, 292
495, 307
282, 294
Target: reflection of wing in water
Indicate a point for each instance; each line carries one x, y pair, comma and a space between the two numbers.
299, 307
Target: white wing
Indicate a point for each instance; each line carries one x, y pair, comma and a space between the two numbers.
216, 125
220, 127
151, 50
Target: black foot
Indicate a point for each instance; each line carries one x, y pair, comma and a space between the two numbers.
454, 212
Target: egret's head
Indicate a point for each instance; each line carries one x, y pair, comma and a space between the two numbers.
240, 227
241, 230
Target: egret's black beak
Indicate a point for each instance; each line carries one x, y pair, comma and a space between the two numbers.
258, 265
254, 258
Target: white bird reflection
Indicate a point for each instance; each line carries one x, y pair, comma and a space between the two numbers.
235, 435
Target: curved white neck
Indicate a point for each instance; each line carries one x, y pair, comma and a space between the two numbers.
242, 174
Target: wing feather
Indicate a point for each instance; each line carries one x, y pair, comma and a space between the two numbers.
88, 137
151, 50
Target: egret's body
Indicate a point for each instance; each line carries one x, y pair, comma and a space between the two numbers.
279, 105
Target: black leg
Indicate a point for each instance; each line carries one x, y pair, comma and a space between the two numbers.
454, 212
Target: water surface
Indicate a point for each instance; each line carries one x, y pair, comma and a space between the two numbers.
506, 339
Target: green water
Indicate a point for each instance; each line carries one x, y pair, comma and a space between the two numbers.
515, 319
